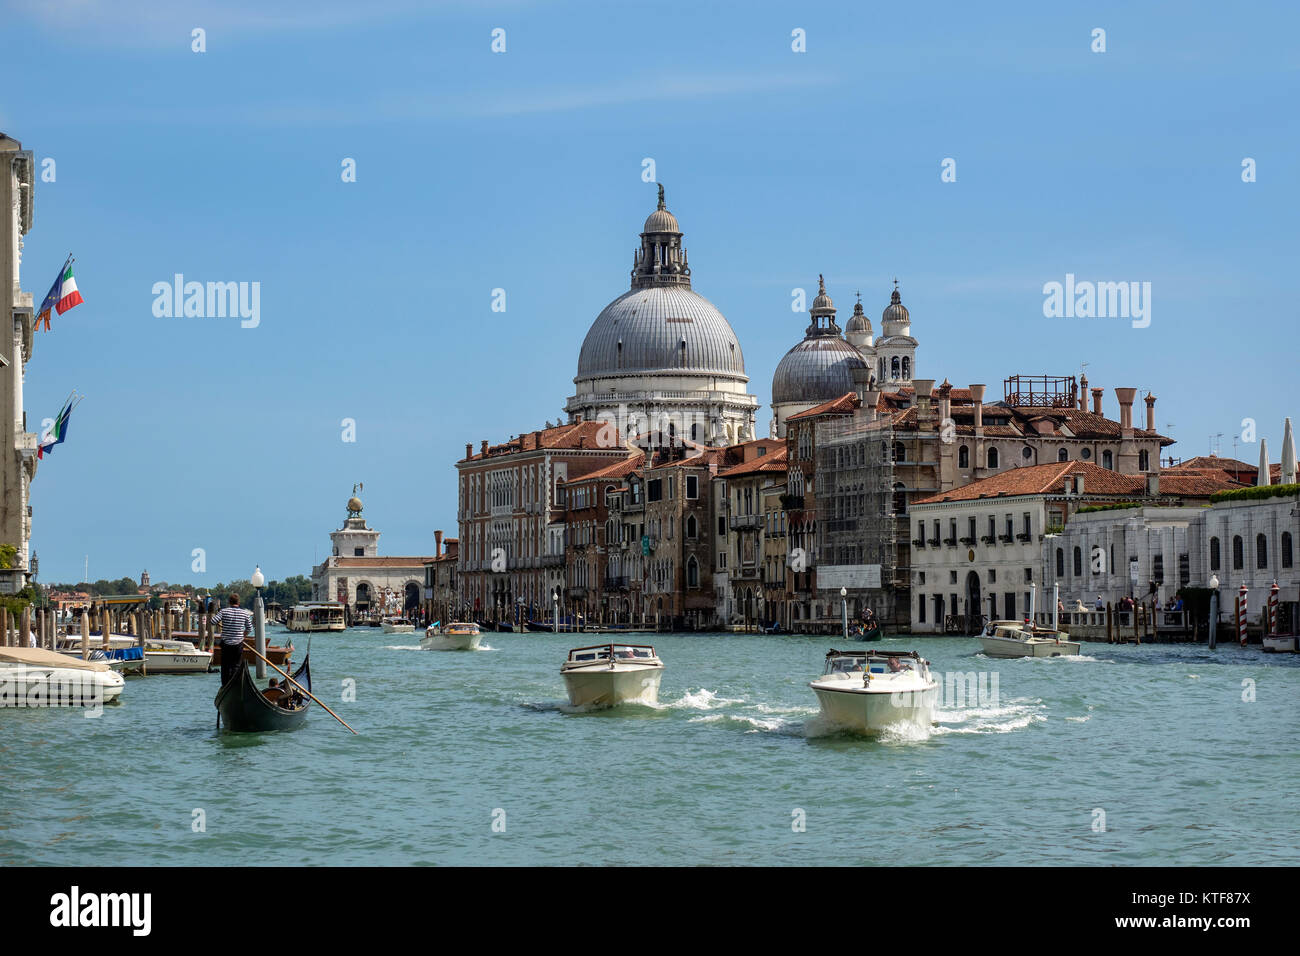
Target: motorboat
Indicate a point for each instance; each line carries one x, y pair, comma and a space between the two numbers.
36, 677
398, 625
316, 616
604, 675
1018, 639
868, 691
1280, 644
456, 636
161, 655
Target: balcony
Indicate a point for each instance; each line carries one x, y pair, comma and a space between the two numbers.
746, 522
1024, 536
1005, 538
950, 542
618, 583
968, 541
918, 542
934, 542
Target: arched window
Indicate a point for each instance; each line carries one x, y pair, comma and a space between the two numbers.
963, 457
893, 367
1078, 562
1238, 557
1214, 554
1261, 551
907, 368
692, 527
1063, 455
900, 499
881, 368
1107, 459
993, 457
692, 572
899, 452
1060, 562
1286, 549
1144, 460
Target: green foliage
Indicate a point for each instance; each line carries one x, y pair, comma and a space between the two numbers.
1257, 493
14, 603
1055, 529
8, 556
1088, 509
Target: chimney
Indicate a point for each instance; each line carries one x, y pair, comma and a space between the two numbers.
1083, 393
1069, 485
870, 399
483, 447
924, 386
437, 544
1097, 392
1126, 396
469, 450
1078, 485
1151, 411
1153, 483
977, 395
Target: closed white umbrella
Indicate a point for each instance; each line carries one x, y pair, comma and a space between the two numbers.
1262, 477
1288, 455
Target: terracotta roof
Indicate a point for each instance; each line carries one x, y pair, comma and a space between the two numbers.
579, 435
383, 562
620, 469
1050, 479
1194, 485
772, 462
844, 405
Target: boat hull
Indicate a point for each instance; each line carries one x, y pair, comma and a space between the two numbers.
1280, 644
245, 709
1009, 647
592, 687
450, 642
39, 686
399, 628
870, 712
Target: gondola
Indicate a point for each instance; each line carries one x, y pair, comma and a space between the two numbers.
245, 709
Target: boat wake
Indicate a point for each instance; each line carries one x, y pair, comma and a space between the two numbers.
1013, 715
401, 647
701, 699
755, 725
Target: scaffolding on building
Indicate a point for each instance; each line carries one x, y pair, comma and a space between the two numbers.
857, 510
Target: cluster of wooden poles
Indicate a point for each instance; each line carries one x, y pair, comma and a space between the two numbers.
141, 624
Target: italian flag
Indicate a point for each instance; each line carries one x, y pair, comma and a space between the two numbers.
63, 295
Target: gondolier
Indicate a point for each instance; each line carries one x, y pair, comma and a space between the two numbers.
235, 623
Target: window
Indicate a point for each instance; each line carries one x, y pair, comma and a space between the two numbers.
1286, 549
1158, 568
722, 560
952, 577
1144, 460
1238, 556
993, 529
722, 527
359, 552
1214, 554
970, 529
1011, 527
1107, 459
993, 576
920, 609
692, 485
907, 367
692, 572
1009, 605
1060, 562
1028, 523
963, 457
899, 452
1078, 562
654, 489
692, 527
893, 367
993, 457
1026, 453
1086, 454
1063, 454
900, 499
1029, 575
1261, 551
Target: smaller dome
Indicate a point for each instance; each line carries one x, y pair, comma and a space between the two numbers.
859, 322
661, 220
895, 314
822, 303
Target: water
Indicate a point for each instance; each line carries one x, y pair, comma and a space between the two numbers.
1157, 737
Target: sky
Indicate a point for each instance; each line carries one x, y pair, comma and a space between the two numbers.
523, 170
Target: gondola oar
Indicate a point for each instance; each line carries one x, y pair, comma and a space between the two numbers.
303, 689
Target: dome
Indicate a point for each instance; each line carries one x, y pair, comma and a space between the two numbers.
354, 505
895, 317
816, 370
643, 330
859, 323
661, 220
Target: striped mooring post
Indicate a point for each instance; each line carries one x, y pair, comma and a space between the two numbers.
1242, 606
1271, 624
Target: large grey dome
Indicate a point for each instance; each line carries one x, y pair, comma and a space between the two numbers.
661, 328
816, 370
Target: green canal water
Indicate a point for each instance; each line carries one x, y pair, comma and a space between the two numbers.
1128, 755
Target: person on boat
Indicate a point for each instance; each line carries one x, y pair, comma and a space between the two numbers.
235, 622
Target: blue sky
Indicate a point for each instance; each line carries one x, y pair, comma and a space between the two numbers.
522, 171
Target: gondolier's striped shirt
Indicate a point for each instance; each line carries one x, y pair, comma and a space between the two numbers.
235, 623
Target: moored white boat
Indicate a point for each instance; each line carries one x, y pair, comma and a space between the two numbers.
398, 625
36, 677
1016, 639
457, 636
868, 691
1280, 644
605, 675
161, 656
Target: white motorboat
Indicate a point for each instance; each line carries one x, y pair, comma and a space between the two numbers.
1017, 639
868, 691
161, 656
398, 625
316, 616
457, 636
1280, 644
36, 677
608, 674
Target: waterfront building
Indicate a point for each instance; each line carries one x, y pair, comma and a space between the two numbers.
441, 600
1252, 541
661, 357
508, 509
741, 524
18, 457
680, 541
600, 557
356, 576
977, 549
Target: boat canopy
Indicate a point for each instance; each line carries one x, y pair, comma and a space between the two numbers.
39, 657
603, 652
